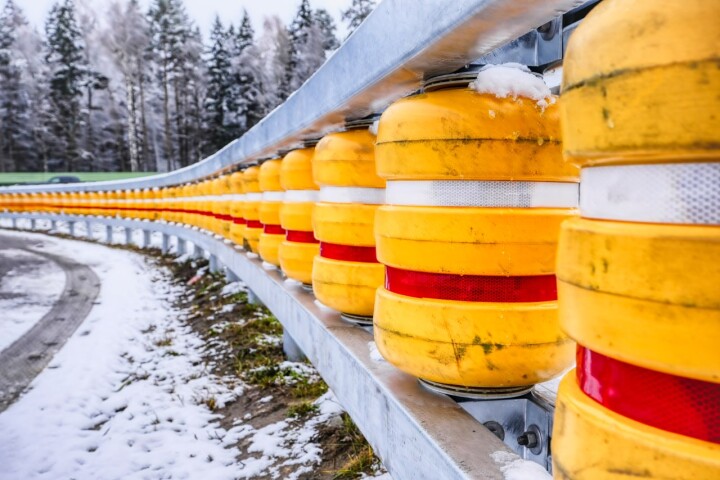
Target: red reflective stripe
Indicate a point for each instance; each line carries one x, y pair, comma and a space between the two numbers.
470, 288
273, 229
238, 220
675, 404
254, 224
348, 253
300, 236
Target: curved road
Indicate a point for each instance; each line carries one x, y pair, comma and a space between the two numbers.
23, 360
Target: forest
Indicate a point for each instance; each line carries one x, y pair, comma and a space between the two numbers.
132, 90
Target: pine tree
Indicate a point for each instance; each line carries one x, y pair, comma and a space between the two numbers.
68, 73
14, 109
219, 80
246, 103
327, 27
356, 13
168, 32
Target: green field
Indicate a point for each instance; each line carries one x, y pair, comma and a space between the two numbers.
40, 177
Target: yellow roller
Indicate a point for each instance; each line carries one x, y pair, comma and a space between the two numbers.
269, 211
472, 343
591, 442
237, 207
482, 314
642, 292
300, 247
348, 287
477, 241
648, 91
251, 185
347, 159
481, 137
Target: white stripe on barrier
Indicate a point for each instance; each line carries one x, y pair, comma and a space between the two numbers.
370, 196
273, 196
682, 193
474, 193
300, 196
253, 197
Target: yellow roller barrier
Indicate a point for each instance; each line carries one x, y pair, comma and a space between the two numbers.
631, 290
483, 138
346, 159
237, 207
459, 134
470, 241
296, 258
251, 185
460, 342
598, 444
269, 211
668, 72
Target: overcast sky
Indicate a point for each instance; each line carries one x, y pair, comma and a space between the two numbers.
203, 11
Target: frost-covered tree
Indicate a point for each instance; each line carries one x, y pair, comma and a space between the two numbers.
356, 13
219, 80
274, 48
327, 27
15, 137
68, 72
307, 51
125, 39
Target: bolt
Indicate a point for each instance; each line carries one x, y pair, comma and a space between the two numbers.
528, 439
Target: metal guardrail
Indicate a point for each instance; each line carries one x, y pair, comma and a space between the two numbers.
409, 40
418, 434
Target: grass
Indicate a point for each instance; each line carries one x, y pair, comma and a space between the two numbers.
362, 458
302, 409
40, 177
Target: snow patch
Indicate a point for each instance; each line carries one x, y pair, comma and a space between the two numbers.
515, 468
375, 354
512, 80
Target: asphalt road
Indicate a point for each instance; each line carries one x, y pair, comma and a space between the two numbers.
23, 360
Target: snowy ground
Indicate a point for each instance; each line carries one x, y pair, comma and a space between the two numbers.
28, 291
127, 397
124, 398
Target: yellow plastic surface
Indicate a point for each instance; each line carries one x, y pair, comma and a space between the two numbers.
345, 223
643, 95
347, 159
269, 212
269, 176
296, 170
348, 287
252, 237
296, 260
268, 247
592, 443
477, 241
461, 134
297, 216
251, 184
478, 344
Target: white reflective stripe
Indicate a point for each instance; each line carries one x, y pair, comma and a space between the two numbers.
298, 196
370, 196
253, 197
475, 193
273, 196
683, 193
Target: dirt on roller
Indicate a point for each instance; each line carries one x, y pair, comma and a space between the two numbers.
24, 359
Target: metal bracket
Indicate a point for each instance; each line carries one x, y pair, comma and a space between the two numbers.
524, 424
